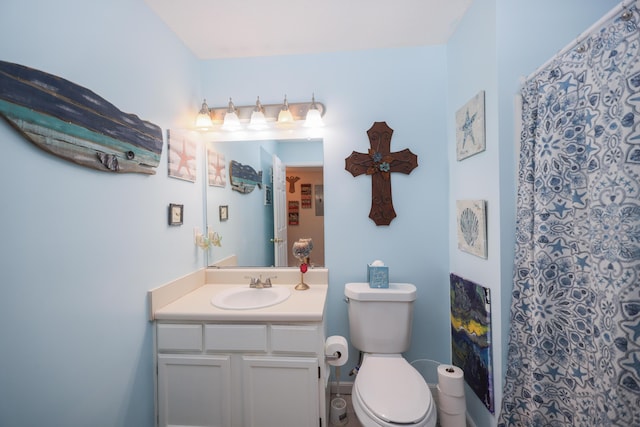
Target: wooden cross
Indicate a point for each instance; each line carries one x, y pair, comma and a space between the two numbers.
379, 162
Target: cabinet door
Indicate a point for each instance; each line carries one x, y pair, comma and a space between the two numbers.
194, 390
280, 391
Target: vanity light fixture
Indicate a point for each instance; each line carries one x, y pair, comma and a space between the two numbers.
261, 116
231, 120
285, 118
314, 118
258, 120
203, 120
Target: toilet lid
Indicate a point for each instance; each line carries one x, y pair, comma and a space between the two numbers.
392, 389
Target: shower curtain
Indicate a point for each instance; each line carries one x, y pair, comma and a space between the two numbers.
574, 342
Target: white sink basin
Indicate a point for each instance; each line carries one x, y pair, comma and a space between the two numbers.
245, 298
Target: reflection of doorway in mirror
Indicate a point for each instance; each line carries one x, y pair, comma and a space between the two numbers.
216, 168
309, 196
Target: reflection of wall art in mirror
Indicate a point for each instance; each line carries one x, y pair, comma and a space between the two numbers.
268, 195
470, 128
224, 213
176, 213
472, 227
244, 178
216, 168
305, 196
182, 155
294, 212
292, 183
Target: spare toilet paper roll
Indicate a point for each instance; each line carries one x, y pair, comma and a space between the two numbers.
452, 420
451, 380
451, 404
336, 345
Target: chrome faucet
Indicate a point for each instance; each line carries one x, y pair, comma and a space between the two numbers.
257, 283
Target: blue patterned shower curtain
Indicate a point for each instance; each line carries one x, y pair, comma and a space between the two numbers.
574, 344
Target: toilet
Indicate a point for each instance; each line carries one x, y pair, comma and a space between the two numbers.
387, 391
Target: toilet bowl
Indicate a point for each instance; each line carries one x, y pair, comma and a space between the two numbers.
389, 392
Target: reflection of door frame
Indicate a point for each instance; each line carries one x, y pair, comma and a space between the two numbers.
280, 244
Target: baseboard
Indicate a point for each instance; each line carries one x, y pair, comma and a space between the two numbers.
345, 387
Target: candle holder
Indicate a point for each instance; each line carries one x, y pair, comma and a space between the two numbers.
301, 250
304, 265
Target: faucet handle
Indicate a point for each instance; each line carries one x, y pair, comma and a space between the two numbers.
268, 280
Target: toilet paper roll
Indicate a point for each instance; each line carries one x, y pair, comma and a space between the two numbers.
336, 345
452, 420
451, 404
451, 380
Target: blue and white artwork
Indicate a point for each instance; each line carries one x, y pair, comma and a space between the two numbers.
472, 227
470, 129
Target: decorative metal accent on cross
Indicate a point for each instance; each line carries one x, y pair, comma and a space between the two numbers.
379, 162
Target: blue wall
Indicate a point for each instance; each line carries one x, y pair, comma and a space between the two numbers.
405, 88
80, 248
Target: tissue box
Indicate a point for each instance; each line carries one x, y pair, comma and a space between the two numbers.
378, 276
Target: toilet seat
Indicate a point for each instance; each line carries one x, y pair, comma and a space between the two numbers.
391, 392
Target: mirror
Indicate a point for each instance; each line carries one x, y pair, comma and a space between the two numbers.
244, 204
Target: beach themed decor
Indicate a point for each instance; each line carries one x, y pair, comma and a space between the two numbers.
470, 128
76, 124
244, 178
182, 155
472, 227
216, 168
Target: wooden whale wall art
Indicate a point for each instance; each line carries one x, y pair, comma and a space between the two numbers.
244, 178
76, 124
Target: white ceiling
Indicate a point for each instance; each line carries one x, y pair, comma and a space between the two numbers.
245, 28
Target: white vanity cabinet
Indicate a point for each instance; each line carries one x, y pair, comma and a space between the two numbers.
241, 374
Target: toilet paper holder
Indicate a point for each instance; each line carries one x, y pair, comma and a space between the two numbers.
335, 356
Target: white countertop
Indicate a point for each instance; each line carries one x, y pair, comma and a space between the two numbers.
301, 306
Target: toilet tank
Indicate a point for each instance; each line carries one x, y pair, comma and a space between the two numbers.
380, 319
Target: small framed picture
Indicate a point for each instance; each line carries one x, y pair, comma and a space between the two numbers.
175, 214
224, 213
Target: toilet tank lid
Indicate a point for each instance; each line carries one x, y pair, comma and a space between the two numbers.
395, 292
